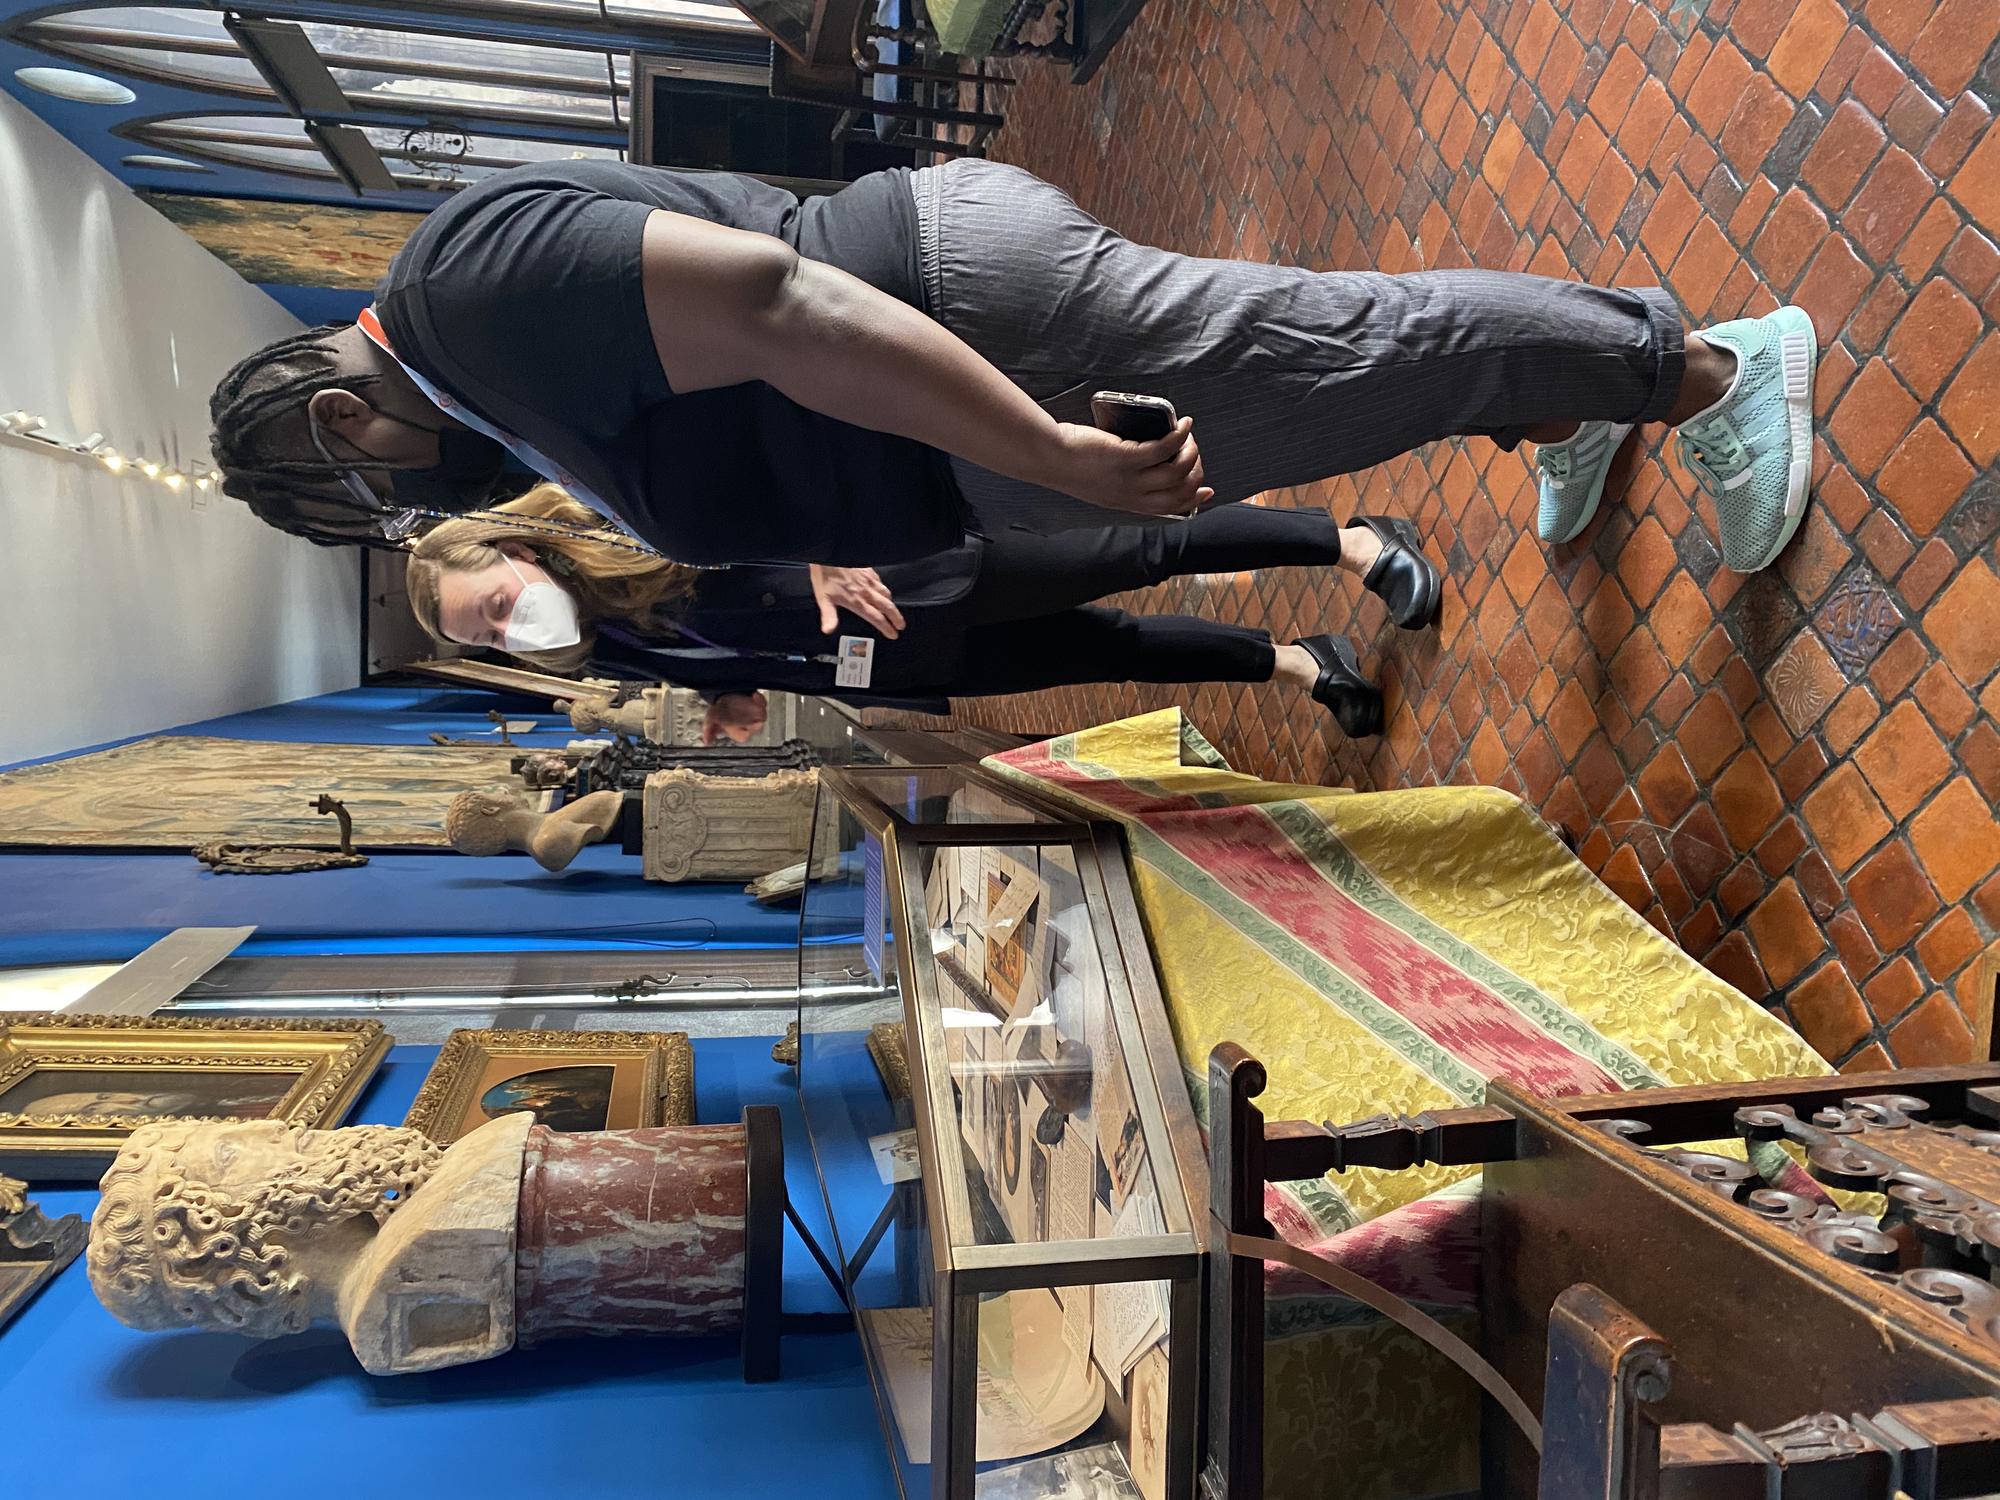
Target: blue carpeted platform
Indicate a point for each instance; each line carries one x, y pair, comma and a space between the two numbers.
98, 908
89, 1402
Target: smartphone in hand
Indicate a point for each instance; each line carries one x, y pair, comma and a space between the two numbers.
1137, 419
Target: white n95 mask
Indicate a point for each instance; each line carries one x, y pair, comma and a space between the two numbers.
543, 619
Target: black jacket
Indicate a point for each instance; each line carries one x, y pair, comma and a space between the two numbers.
758, 608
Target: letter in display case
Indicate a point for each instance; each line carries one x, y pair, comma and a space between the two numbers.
1030, 1297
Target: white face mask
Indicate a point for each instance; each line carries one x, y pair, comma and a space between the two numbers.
544, 617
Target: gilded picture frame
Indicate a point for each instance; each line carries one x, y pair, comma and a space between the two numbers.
569, 1080
73, 1087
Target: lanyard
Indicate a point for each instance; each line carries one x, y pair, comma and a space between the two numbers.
527, 453
712, 649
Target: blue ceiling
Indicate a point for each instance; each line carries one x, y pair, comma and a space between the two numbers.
92, 128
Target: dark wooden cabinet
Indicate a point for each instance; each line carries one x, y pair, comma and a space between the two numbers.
679, 121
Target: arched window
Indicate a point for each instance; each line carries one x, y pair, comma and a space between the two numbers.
391, 70
424, 158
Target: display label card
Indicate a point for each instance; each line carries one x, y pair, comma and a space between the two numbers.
896, 1156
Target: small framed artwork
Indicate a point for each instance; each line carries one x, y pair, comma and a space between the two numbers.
72, 1088
568, 1080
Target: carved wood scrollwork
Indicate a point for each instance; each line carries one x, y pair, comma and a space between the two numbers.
1938, 1241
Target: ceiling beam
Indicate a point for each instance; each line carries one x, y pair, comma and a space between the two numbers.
353, 157
283, 53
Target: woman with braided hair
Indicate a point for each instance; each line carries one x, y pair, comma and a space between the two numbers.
731, 373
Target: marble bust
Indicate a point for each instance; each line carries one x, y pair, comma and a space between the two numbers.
267, 1229
493, 820
424, 1257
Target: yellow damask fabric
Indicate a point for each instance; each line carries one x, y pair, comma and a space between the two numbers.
1533, 961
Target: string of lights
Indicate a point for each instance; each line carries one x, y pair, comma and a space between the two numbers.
23, 429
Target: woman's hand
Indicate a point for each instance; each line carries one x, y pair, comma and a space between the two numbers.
738, 715
1159, 478
860, 590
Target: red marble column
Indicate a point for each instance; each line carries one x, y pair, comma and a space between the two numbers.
630, 1231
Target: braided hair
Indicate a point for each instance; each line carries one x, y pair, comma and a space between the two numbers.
265, 452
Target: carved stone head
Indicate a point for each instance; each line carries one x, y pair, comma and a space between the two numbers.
477, 821
588, 715
244, 1228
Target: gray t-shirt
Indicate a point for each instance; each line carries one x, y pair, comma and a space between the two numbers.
522, 298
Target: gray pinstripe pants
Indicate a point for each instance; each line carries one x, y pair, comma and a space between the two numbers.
1291, 375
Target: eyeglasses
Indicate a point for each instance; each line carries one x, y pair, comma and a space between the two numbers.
395, 525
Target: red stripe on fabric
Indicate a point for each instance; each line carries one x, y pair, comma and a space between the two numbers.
1039, 761
1249, 856
1253, 859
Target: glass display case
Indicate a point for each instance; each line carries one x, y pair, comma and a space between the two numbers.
1009, 1162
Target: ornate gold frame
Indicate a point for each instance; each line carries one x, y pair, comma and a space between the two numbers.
447, 1091
892, 1061
334, 1059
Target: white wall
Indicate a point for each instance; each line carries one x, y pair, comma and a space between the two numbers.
124, 608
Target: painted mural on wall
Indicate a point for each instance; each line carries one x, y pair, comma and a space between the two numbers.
292, 244
175, 791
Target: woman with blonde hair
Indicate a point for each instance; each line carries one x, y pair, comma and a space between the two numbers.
544, 579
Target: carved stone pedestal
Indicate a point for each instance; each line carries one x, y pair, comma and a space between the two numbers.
725, 828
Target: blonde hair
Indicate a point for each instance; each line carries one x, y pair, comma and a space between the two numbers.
612, 580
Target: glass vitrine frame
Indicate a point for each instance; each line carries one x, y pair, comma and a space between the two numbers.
964, 1270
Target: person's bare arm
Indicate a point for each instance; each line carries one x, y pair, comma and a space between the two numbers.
726, 306
735, 715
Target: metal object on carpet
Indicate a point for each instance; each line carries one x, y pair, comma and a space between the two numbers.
172, 792
33, 1248
226, 858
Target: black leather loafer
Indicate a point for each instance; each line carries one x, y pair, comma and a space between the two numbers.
1341, 689
1402, 575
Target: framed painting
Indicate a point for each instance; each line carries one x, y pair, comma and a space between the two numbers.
72, 1088
568, 1080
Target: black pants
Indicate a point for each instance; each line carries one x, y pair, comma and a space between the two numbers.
1034, 625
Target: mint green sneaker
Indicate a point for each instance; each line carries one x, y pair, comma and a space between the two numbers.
1573, 478
1751, 452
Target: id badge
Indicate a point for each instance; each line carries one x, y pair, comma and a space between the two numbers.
856, 666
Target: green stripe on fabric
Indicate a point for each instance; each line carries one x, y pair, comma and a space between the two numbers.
1314, 837
1196, 750
1323, 848
1381, 1022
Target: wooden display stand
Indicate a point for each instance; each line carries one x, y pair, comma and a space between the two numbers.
1608, 1245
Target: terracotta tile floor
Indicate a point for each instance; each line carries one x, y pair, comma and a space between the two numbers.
1794, 773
